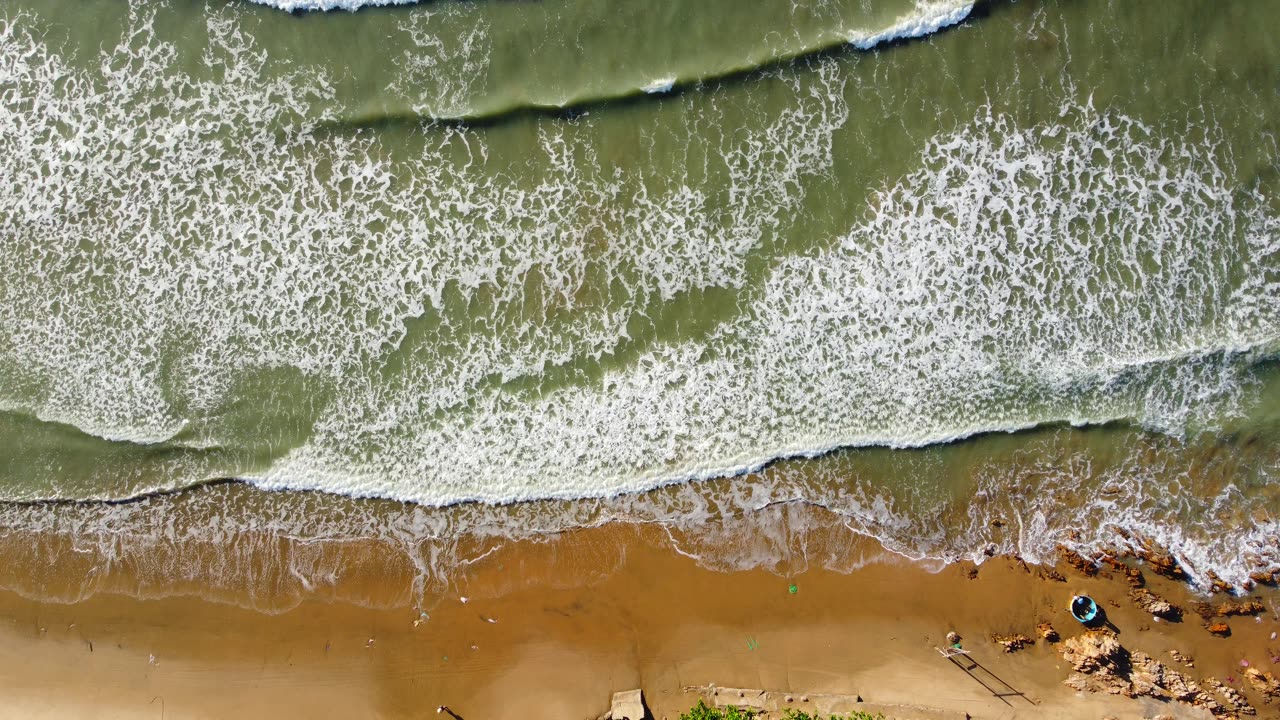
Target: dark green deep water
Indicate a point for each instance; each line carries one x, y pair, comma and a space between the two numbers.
1026, 266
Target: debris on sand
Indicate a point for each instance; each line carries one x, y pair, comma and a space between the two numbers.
1051, 574
1183, 659
1013, 643
1047, 632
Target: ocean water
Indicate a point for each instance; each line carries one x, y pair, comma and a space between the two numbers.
914, 266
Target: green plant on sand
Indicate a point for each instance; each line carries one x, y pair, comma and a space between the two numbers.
702, 711
792, 714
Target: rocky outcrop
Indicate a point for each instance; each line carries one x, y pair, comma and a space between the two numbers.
1047, 632
1153, 604
1263, 577
1132, 575
1101, 664
1161, 561
1263, 682
1239, 607
1217, 584
1231, 698
1220, 629
1082, 564
1183, 659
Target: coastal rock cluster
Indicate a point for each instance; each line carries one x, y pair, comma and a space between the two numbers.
1213, 615
1101, 664
1231, 697
1264, 682
1153, 604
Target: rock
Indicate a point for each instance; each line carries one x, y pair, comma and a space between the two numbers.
1217, 584
1132, 575
1013, 643
1149, 677
1151, 673
1263, 577
1077, 561
1241, 607
1263, 682
1047, 632
1234, 701
1101, 664
1220, 629
1096, 651
1160, 561
1154, 604
1179, 657
627, 705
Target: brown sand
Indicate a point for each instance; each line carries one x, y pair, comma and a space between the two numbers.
550, 630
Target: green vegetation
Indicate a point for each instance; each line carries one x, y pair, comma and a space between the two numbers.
702, 712
791, 714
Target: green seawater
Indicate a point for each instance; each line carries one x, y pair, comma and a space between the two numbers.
1026, 264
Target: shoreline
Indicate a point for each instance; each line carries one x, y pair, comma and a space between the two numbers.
551, 627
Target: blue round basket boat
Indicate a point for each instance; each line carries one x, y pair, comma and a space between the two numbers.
1084, 609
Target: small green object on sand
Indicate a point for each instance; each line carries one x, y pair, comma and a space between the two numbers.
794, 589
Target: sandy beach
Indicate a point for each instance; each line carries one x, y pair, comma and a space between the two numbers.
550, 629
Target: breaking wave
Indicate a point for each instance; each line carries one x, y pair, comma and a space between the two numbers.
457, 327
456, 62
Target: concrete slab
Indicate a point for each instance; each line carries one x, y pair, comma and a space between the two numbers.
627, 705
738, 697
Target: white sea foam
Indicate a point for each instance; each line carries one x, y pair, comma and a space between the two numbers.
289, 546
661, 85
349, 5
929, 17
452, 64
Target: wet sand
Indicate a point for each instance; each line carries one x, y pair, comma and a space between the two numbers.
551, 629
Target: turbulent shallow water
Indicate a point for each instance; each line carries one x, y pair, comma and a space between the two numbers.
495, 251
